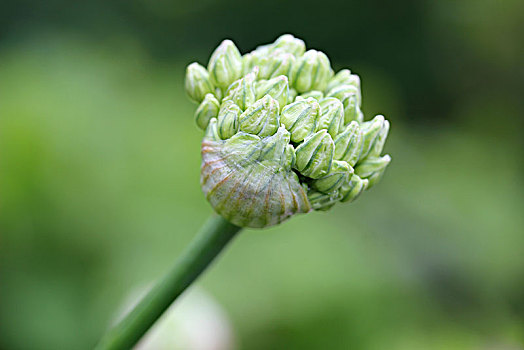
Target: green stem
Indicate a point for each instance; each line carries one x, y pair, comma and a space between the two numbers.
211, 239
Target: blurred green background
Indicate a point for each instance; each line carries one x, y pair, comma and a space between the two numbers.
99, 174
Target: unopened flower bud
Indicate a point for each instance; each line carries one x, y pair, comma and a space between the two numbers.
371, 131
351, 189
292, 95
323, 201
312, 71
277, 87
373, 168
339, 173
343, 77
275, 148
300, 118
211, 133
377, 148
242, 91
332, 117
207, 110
348, 144
351, 109
317, 95
290, 44
278, 63
261, 118
344, 92
197, 82
315, 155
227, 124
225, 65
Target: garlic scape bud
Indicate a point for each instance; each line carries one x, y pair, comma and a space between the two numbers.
283, 134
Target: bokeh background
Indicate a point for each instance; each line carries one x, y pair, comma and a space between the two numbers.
99, 174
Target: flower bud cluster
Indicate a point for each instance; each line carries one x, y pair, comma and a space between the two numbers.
281, 87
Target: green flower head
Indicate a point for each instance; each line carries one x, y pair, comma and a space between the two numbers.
284, 134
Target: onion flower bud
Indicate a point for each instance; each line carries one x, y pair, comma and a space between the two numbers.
300, 118
197, 82
284, 135
312, 71
225, 65
206, 111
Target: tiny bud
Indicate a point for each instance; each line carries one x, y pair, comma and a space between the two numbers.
315, 155
290, 44
197, 82
277, 87
225, 65
317, 95
339, 173
207, 110
289, 157
211, 133
377, 148
242, 91
343, 77
373, 169
332, 116
344, 92
278, 63
352, 110
300, 118
227, 124
348, 144
371, 131
323, 201
261, 118
275, 147
351, 189
312, 71
292, 95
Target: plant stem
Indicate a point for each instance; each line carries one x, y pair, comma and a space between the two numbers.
208, 243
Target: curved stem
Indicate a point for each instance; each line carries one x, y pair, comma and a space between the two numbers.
208, 243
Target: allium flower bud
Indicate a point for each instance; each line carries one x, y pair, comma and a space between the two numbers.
351, 189
332, 117
348, 144
197, 82
312, 71
242, 91
317, 95
284, 135
343, 77
339, 173
278, 88
207, 110
352, 109
290, 44
227, 124
371, 133
225, 65
323, 201
261, 118
372, 168
315, 155
278, 63
300, 118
